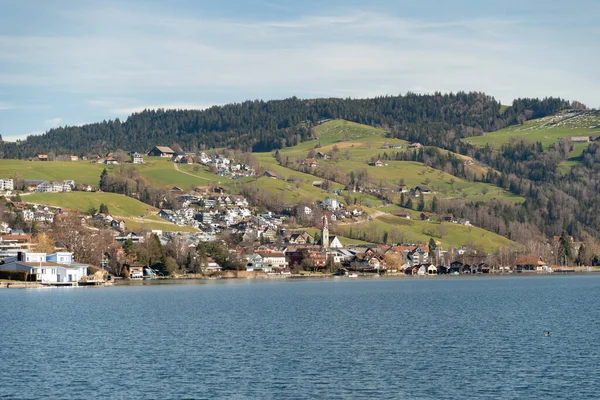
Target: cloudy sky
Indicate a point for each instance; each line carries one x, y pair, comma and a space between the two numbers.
73, 62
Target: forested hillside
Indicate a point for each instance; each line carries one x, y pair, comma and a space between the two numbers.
264, 126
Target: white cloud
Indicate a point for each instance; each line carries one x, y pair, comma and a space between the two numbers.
6, 106
54, 122
183, 62
13, 138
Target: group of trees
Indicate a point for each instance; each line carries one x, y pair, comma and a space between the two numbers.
126, 179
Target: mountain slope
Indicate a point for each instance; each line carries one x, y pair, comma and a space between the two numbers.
263, 126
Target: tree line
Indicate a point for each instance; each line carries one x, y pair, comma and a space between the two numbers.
267, 125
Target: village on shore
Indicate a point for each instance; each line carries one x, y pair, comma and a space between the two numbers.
45, 245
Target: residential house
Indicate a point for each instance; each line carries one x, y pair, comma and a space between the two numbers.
44, 187
211, 266
135, 238
273, 260
300, 238
529, 263
255, 262
48, 268
74, 158
447, 217
377, 163
330, 204
415, 146
118, 224
42, 157
335, 243
137, 158
181, 155
269, 233
6, 184
270, 174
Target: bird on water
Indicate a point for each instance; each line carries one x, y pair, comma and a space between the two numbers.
547, 333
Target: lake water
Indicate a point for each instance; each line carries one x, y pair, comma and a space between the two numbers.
443, 338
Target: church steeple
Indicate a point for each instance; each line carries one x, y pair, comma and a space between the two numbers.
325, 233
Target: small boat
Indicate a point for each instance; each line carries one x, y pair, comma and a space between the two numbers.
353, 276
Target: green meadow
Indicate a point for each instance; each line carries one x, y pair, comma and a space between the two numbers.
118, 204
546, 130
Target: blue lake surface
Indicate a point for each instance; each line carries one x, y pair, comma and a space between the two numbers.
442, 338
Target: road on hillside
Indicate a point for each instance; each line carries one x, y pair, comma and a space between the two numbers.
187, 173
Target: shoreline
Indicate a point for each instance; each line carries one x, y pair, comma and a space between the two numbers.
255, 276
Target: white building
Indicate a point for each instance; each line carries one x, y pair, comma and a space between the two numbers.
273, 260
49, 268
6, 184
330, 204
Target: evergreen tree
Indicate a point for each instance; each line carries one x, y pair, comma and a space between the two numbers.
434, 204
421, 204
432, 245
103, 209
104, 180
565, 243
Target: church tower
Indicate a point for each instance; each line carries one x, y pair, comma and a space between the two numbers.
325, 233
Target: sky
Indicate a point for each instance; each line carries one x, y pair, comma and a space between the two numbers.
67, 62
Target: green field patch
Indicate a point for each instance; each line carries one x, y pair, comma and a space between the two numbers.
447, 234
84, 172
118, 204
546, 130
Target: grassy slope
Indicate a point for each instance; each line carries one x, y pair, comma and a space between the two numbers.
120, 206
80, 171
364, 142
157, 171
546, 130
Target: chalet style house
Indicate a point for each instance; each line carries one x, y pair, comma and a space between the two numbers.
161, 151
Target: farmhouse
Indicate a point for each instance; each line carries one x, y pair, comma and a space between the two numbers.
447, 217
311, 162
270, 174
377, 163
423, 189
161, 151
110, 161
402, 214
